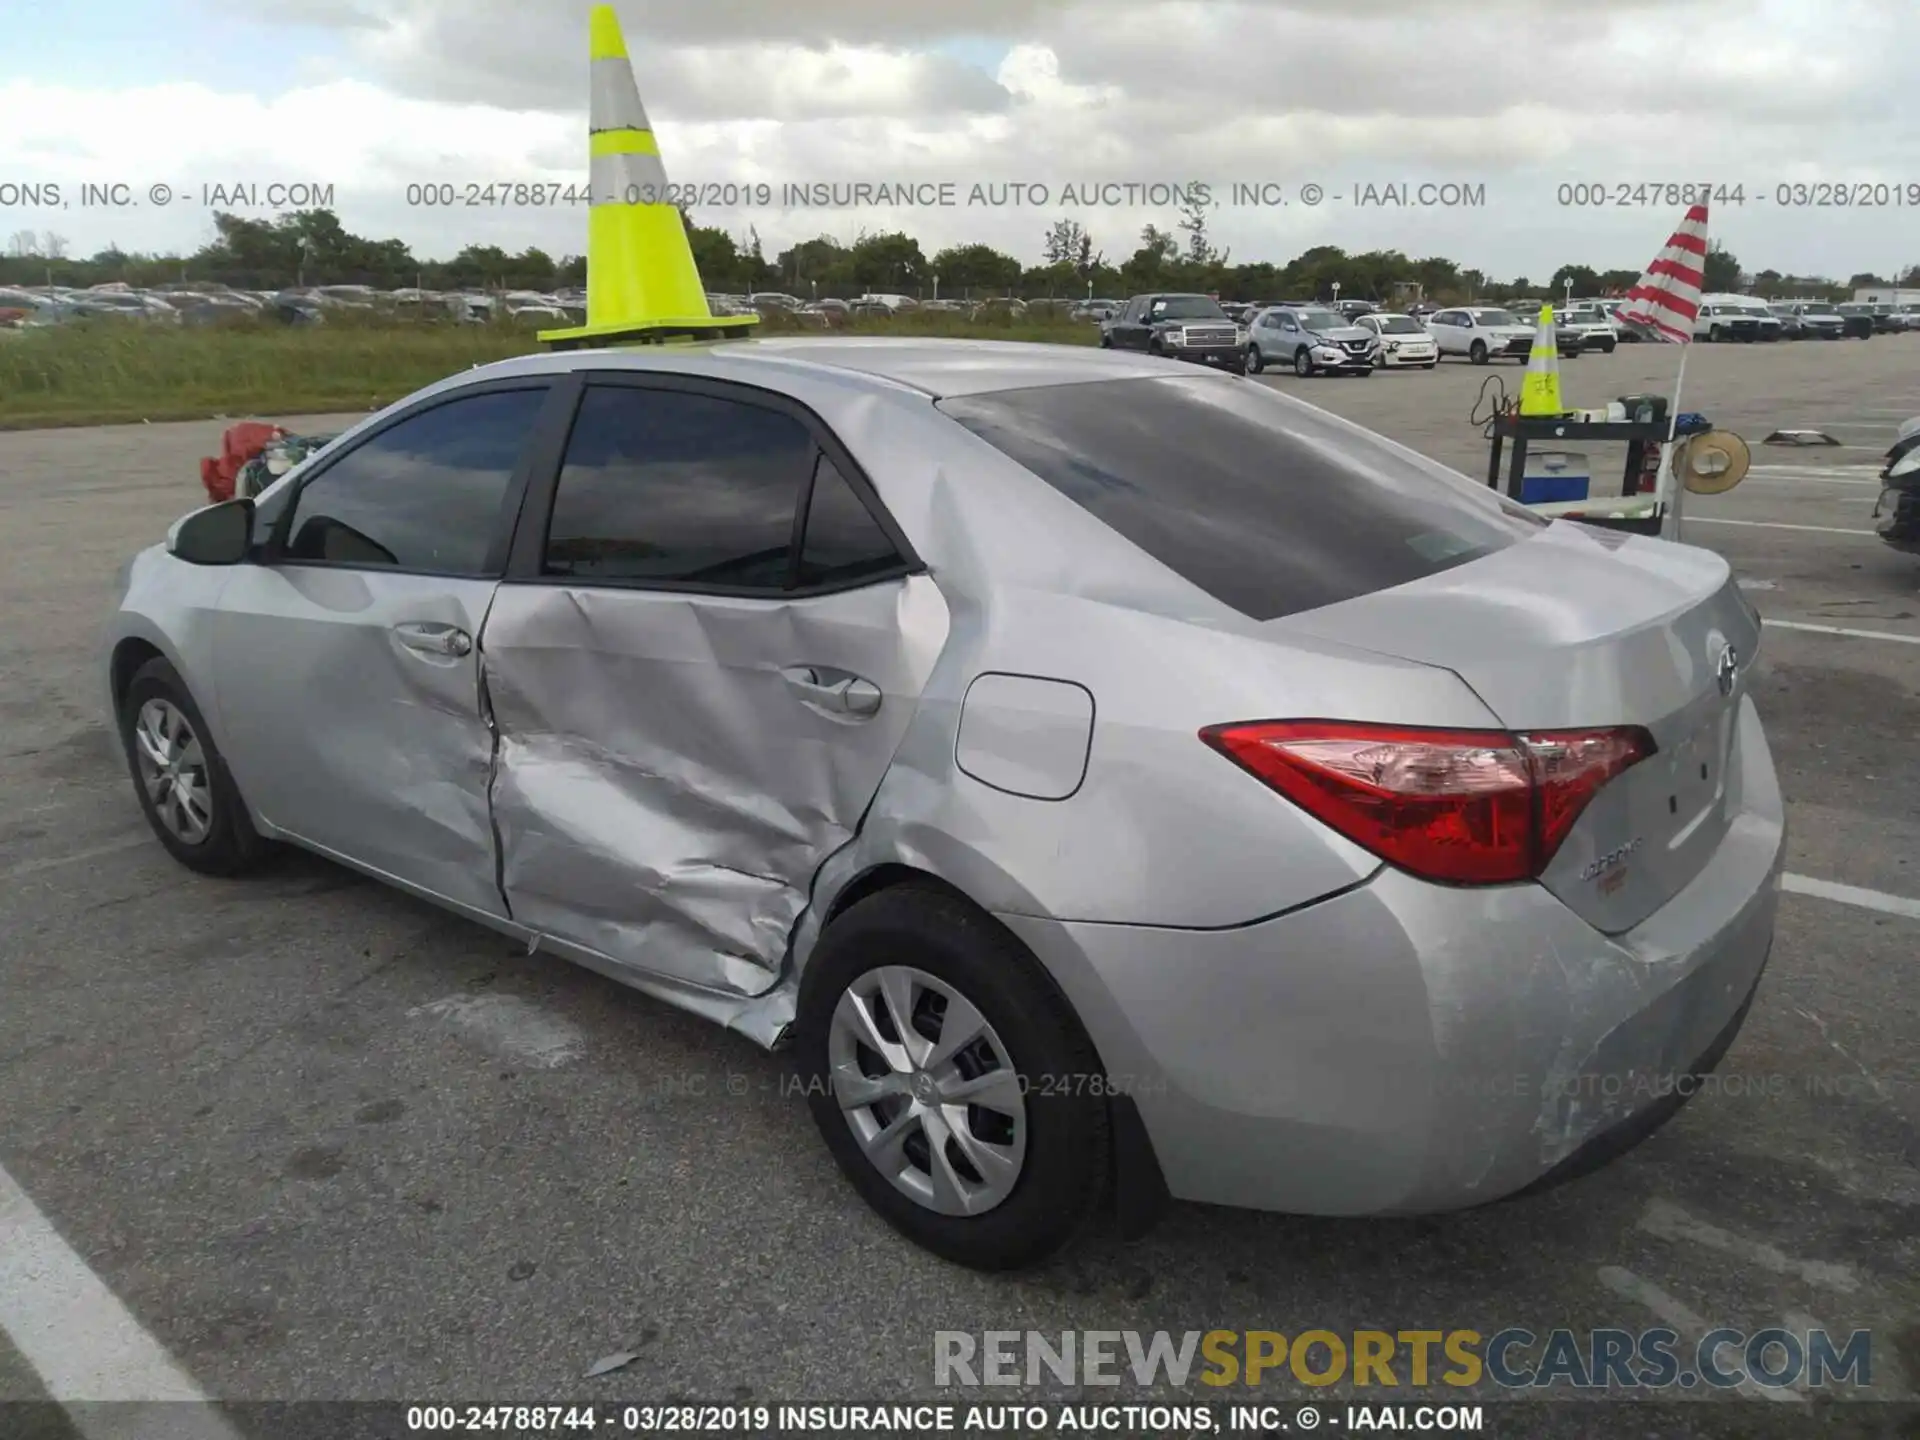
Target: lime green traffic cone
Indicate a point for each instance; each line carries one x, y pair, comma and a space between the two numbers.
641, 280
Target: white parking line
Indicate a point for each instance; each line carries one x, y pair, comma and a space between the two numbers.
1809, 480
1842, 630
82, 1342
510, 1027
1670, 1222
1695, 1328
1693, 519
98, 852
1851, 895
1815, 472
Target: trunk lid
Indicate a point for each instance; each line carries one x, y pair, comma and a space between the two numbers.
1582, 628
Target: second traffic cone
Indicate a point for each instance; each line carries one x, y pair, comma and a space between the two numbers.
641, 280
1540, 391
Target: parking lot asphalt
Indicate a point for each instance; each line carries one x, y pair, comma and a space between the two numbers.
323, 1141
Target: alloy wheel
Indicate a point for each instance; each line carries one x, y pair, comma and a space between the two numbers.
928, 1089
173, 768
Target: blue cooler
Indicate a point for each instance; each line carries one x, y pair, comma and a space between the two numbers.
1553, 477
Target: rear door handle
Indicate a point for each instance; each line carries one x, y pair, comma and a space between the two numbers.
834, 691
428, 638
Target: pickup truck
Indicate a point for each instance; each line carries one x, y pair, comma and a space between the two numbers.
1181, 327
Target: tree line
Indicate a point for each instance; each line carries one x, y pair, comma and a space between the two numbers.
312, 247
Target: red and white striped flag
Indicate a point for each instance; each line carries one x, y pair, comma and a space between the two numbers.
1663, 305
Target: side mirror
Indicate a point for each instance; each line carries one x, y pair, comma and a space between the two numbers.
214, 535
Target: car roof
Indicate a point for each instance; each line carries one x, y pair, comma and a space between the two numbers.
932, 366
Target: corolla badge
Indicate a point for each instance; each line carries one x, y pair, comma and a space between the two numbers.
1613, 859
1727, 668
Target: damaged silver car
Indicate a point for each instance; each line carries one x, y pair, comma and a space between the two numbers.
1114, 781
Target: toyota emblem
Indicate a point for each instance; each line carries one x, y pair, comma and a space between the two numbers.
1727, 668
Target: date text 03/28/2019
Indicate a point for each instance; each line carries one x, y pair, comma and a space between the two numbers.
1786, 194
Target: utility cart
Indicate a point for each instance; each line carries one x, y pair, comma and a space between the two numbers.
1642, 504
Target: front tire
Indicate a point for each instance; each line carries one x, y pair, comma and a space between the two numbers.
1478, 352
950, 1080
1256, 362
182, 782
1302, 363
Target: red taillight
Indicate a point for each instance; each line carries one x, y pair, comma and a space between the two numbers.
1467, 807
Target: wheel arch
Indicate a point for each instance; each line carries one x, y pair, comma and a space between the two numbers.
1136, 1192
130, 652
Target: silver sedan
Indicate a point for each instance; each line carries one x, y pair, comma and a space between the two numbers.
1109, 779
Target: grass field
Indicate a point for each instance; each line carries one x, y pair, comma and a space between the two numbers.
105, 372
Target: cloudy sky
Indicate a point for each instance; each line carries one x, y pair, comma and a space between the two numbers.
1521, 97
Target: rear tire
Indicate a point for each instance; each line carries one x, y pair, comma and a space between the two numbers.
899, 951
180, 779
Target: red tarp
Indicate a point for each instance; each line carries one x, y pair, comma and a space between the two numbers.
239, 445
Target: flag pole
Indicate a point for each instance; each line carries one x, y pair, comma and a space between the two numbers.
1667, 477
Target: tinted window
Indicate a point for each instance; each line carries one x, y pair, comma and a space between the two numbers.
667, 486
425, 494
1187, 307
1267, 504
843, 541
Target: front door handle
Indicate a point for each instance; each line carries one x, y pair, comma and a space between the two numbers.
835, 691
427, 638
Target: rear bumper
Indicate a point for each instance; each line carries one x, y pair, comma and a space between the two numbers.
1407, 1048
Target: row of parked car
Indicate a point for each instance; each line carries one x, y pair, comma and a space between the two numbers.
1357, 337
1353, 337
830, 311
199, 303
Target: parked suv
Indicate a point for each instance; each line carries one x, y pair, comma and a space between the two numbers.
1816, 320
1480, 333
1312, 339
1181, 327
1859, 321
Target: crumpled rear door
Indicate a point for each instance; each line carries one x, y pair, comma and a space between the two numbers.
673, 768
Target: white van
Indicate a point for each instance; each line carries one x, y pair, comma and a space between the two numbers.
1735, 317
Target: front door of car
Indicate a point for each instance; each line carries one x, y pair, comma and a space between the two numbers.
706, 651
346, 662
1129, 331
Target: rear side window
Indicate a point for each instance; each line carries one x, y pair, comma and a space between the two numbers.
1267, 504
843, 543
670, 487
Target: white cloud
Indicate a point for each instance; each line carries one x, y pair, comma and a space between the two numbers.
1512, 94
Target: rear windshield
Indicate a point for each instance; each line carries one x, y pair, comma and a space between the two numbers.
1267, 504
1187, 307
